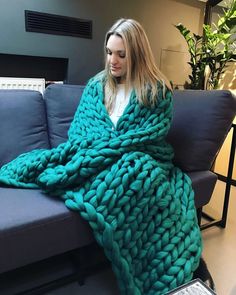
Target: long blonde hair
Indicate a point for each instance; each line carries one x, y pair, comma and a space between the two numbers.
142, 72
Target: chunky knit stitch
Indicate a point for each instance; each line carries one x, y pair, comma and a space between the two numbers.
123, 182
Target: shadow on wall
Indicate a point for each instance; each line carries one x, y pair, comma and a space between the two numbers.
197, 4
233, 291
228, 80
174, 65
193, 3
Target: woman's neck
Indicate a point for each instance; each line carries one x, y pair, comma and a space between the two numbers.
120, 80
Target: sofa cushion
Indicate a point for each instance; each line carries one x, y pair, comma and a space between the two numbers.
34, 226
23, 123
62, 102
201, 120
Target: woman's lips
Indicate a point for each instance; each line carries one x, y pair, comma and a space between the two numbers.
115, 69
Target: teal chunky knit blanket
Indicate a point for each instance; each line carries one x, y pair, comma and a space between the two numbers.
123, 182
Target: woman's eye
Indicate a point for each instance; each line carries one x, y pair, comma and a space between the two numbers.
121, 54
108, 52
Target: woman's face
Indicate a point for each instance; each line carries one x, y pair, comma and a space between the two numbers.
116, 57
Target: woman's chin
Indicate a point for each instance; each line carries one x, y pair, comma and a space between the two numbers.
115, 74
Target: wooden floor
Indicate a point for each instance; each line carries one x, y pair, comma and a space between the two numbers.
220, 244
219, 253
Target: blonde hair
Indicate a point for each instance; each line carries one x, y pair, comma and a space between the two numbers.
142, 72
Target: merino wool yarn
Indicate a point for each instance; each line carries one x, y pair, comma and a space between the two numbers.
123, 182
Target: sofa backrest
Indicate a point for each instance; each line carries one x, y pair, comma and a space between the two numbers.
23, 123
61, 102
201, 121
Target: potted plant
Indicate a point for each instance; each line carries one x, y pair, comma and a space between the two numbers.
211, 53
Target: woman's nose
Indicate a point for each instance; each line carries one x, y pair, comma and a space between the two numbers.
113, 59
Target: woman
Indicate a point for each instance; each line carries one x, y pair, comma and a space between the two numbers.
130, 63
116, 169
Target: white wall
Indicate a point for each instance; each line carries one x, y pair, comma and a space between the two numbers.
169, 47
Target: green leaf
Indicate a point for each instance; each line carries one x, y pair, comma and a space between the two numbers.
216, 48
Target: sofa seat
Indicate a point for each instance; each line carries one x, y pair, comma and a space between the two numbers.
34, 226
42, 226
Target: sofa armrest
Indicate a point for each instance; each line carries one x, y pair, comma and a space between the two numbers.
201, 121
23, 123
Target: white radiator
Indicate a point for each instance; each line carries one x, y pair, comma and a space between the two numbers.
37, 84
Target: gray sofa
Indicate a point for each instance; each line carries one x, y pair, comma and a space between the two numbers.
42, 243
